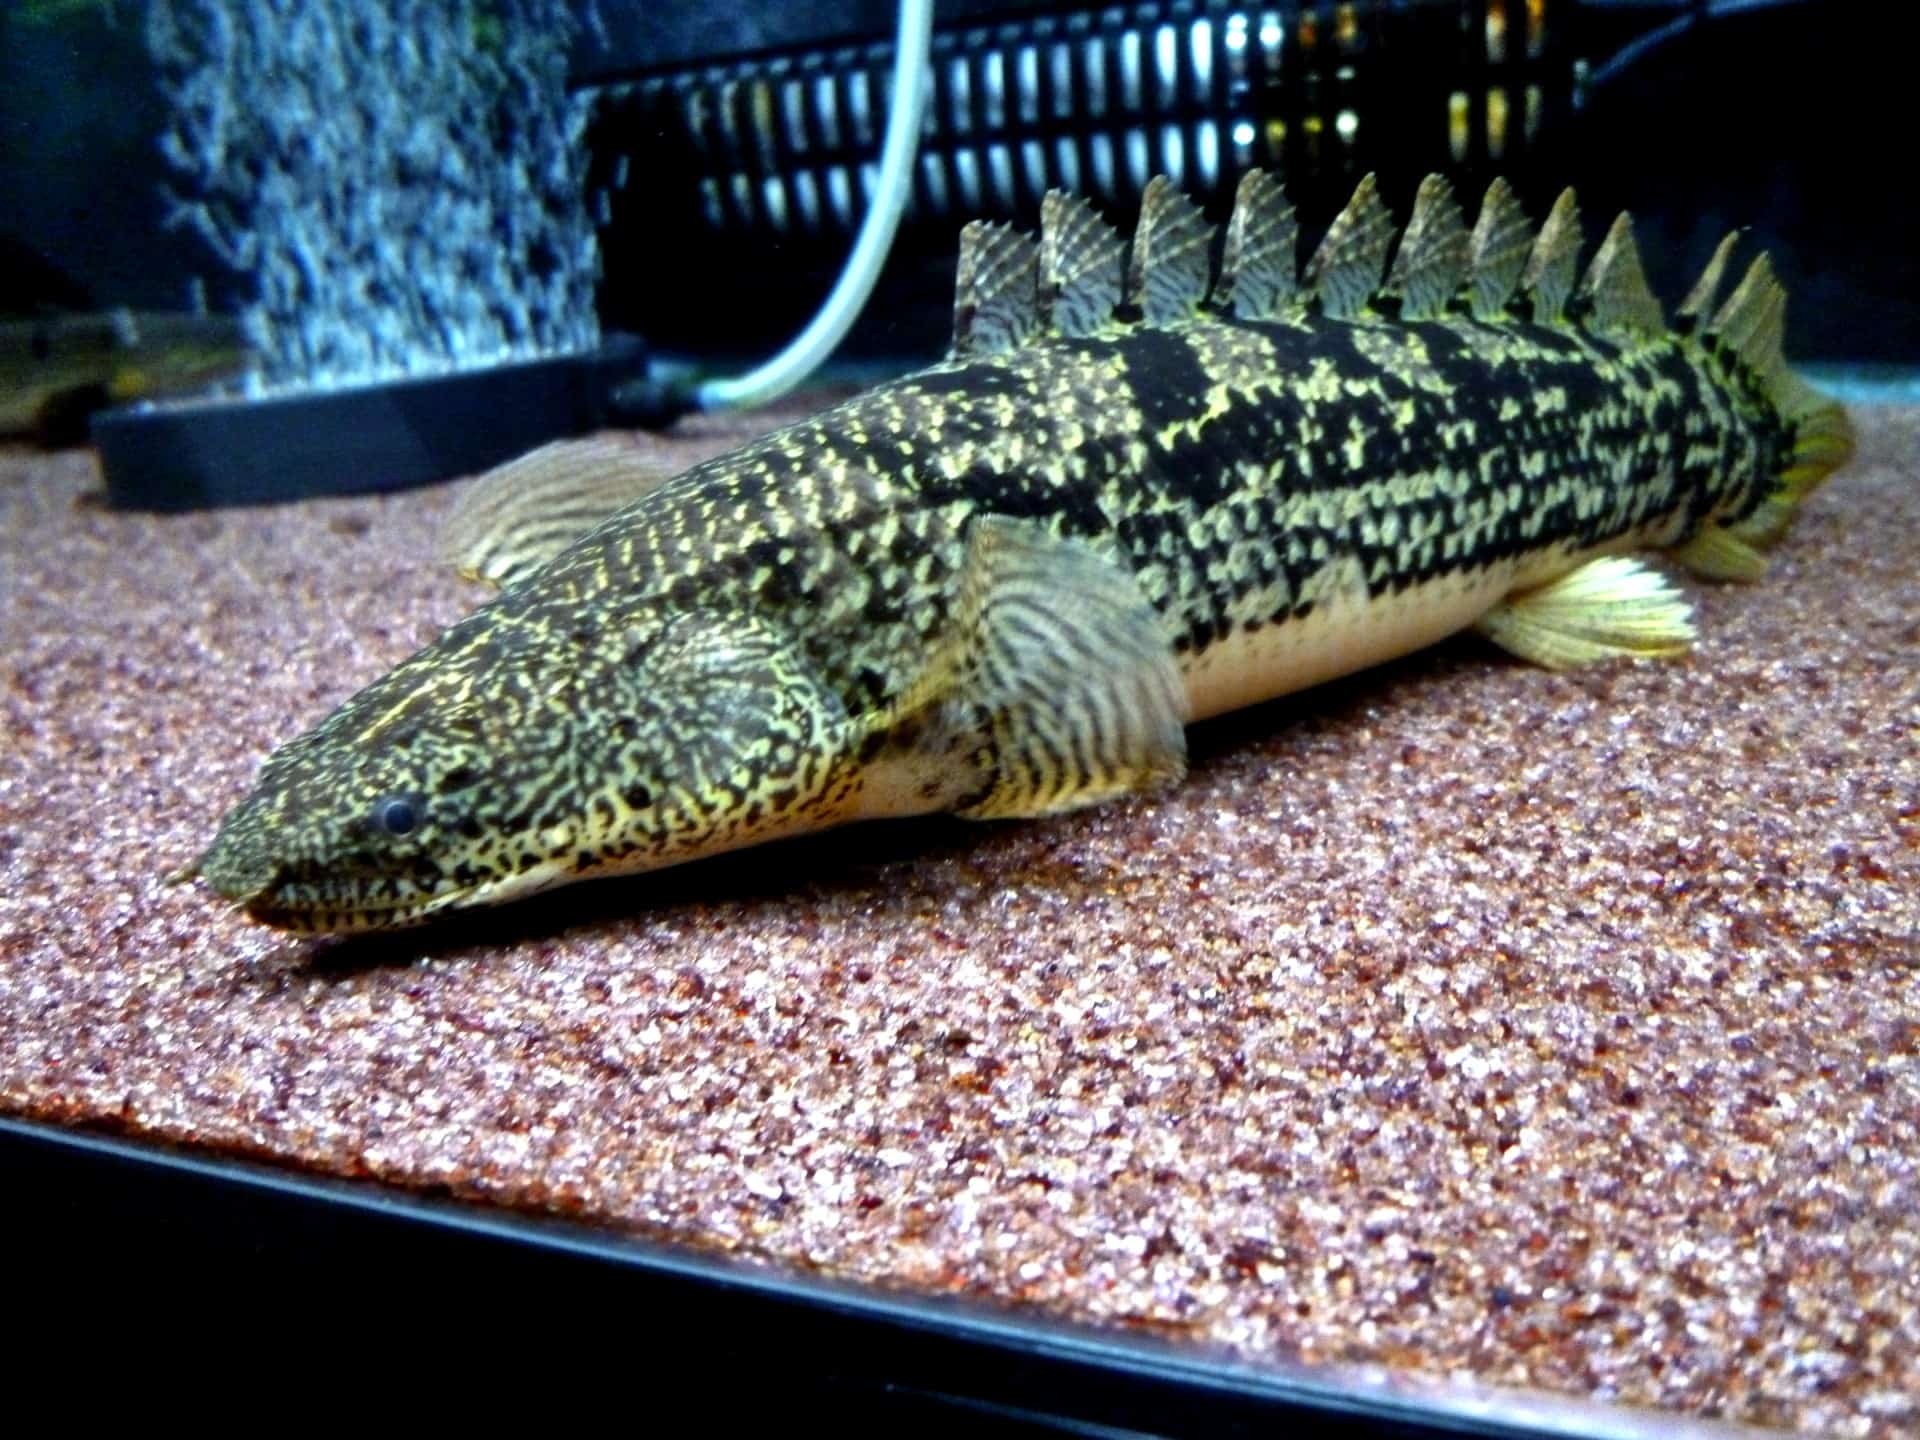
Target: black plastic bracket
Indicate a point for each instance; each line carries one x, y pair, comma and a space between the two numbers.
373, 438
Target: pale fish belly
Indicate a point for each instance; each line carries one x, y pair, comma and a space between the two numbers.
1346, 632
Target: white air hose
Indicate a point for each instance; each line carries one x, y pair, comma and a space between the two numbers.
829, 327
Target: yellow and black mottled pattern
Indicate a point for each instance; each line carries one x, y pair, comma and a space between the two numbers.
724, 660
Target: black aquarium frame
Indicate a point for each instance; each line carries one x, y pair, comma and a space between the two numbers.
118, 1217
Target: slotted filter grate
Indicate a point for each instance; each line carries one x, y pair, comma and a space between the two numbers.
1092, 100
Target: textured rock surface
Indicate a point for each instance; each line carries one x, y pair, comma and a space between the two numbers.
1560, 1030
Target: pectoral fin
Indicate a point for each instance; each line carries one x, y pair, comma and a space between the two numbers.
1609, 607
515, 518
758, 740
1054, 688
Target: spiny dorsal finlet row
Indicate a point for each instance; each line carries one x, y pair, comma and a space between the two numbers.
1073, 281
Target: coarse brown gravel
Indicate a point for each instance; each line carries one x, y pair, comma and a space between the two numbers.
1560, 1031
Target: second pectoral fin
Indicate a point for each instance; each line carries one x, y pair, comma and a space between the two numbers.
511, 521
1054, 686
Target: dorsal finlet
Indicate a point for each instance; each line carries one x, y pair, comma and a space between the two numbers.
1699, 301
1616, 285
1752, 324
1502, 239
996, 292
1257, 268
1555, 261
1347, 268
1432, 260
1079, 265
1171, 261
1753, 321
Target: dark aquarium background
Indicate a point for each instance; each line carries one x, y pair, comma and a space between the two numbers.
381, 188
1696, 117
385, 189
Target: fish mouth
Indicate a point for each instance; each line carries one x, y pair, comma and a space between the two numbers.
306, 899
342, 917
321, 915
284, 908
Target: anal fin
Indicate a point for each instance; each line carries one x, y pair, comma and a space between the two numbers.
1717, 554
515, 518
1055, 688
1607, 608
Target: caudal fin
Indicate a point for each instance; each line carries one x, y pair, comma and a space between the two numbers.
1751, 323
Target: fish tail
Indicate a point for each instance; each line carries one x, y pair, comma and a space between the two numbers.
1750, 326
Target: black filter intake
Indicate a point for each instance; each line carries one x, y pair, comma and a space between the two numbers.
766, 163
732, 149
1091, 100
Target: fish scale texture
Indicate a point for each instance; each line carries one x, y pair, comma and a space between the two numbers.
1444, 448
1557, 1030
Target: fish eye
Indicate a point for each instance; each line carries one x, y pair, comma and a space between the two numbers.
396, 816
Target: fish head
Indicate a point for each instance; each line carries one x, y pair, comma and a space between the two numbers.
513, 756
419, 795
